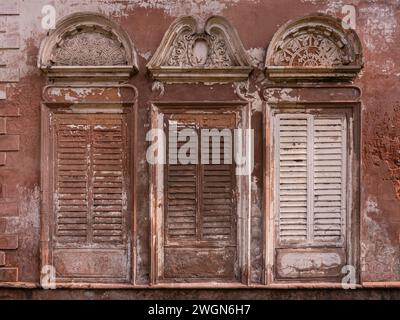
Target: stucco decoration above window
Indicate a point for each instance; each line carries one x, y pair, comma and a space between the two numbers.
314, 47
88, 45
192, 53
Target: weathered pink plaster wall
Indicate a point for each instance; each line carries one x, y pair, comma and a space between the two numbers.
378, 26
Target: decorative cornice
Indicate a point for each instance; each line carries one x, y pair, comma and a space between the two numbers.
188, 53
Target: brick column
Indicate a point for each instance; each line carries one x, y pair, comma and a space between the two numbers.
9, 73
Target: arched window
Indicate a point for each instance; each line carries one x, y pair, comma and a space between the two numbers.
313, 117
199, 208
87, 142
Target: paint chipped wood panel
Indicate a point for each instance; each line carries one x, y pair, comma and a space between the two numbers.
182, 264
323, 263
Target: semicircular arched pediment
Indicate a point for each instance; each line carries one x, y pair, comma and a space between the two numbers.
188, 53
88, 45
314, 47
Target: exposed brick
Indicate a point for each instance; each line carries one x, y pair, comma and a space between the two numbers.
9, 40
2, 259
9, 112
8, 242
8, 209
9, 142
9, 24
3, 23
3, 158
3, 224
3, 126
3, 91
8, 274
9, 7
9, 74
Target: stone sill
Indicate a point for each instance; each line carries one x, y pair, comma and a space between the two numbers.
209, 286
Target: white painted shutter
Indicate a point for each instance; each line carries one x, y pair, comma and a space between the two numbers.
329, 178
311, 178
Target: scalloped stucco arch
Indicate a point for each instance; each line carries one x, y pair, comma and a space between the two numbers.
316, 46
87, 45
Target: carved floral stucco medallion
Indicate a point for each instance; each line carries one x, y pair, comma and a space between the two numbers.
315, 47
190, 53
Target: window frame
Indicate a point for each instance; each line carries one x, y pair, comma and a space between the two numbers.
50, 105
303, 97
157, 194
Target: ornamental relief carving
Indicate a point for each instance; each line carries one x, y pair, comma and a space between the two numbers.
310, 49
315, 47
199, 50
190, 52
89, 48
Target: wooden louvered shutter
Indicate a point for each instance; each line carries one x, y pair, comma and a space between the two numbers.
72, 180
200, 203
90, 187
218, 212
109, 171
311, 180
181, 185
200, 211
90, 199
329, 179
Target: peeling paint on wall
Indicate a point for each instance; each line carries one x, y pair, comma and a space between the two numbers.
257, 57
380, 26
379, 258
175, 8
385, 146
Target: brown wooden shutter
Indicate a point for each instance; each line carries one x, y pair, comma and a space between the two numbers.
72, 179
91, 169
218, 185
181, 185
200, 196
200, 206
109, 189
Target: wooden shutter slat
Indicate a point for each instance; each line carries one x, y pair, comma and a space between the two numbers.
292, 179
181, 184
108, 142
72, 177
329, 203
311, 151
199, 196
218, 183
